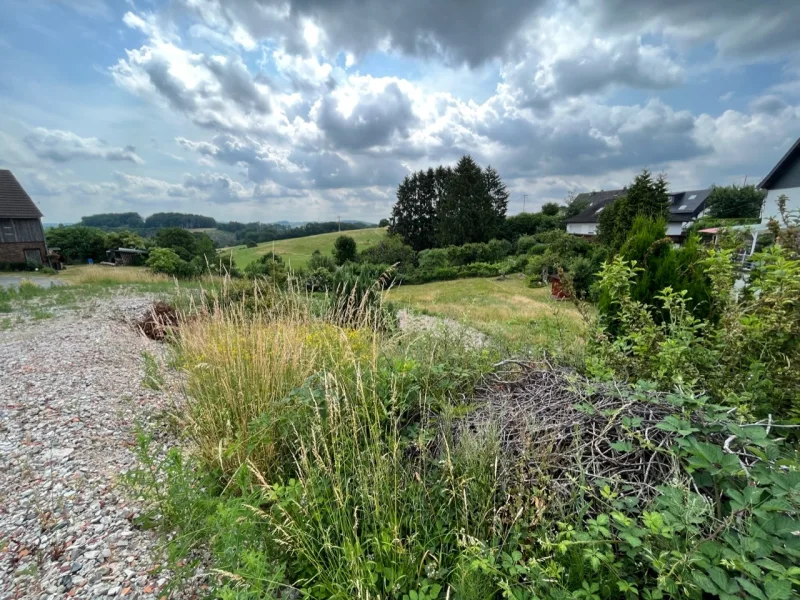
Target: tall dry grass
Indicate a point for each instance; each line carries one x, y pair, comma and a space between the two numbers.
103, 275
243, 359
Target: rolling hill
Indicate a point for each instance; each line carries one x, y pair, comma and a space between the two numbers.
297, 251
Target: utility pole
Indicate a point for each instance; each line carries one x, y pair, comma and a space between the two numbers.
339, 221
524, 199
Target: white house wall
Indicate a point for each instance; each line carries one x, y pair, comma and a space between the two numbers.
582, 228
771, 203
675, 229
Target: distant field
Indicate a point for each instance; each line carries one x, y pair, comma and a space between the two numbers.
297, 251
506, 309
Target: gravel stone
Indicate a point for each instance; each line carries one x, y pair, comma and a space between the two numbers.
70, 398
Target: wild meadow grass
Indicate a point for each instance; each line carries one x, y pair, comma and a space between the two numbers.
520, 317
329, 430
104, 275
328, 457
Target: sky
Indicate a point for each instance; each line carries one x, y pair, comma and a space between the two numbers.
302, 110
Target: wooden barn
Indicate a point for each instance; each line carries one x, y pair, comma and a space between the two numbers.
21, 232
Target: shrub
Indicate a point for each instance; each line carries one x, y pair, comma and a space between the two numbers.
321, 261
77, 243
662, 266
318, 280
167, 261
726, 202
550, 209
268, 266
185, 244
742, 357
525, 243
390, 250
125, 239
251, 244
434, 258
499, 249
344, 249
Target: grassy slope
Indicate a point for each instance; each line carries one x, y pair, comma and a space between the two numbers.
297, 251
505, 308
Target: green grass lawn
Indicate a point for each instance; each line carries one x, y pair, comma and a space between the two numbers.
505, 309
298, 251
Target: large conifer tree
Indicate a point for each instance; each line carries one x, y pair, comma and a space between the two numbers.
414, 213
499, 193
466, 212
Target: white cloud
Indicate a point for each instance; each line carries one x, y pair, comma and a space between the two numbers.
63, 146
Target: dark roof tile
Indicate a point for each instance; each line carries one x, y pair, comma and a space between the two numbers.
14, 200
684, 206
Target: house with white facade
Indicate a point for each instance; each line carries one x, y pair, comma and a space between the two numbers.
784, 179
685, 207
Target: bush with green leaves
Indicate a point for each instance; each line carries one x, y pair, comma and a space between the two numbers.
390, 250
573, 258
744, 356
318, 280
270, 267
644, 197
356, 293
735, 201
319, 260
378, 496
78, 243
186, 244
435, 258
344, 249
662, 265
167, 261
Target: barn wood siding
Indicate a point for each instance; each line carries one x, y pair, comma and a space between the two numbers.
21, 230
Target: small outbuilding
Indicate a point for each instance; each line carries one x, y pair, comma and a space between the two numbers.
125, 257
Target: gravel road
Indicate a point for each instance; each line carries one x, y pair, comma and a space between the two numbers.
70, 395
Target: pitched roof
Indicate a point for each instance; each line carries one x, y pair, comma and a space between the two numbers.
792, 155
14, 200
597, 202
684, 206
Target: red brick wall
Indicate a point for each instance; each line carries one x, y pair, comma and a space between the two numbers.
15, 252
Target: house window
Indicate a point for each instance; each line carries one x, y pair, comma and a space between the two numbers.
693, 196
8, 233
599, 210
682, 207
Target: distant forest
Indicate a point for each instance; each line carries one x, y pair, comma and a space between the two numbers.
227, 234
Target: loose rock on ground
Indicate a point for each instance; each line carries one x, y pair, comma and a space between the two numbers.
70, 398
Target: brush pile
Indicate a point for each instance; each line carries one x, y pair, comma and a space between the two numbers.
559, 432
158, 321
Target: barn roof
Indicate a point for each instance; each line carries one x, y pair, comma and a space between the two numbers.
14, 200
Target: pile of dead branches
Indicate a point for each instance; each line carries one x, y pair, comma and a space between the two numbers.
158, 321
559, 431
